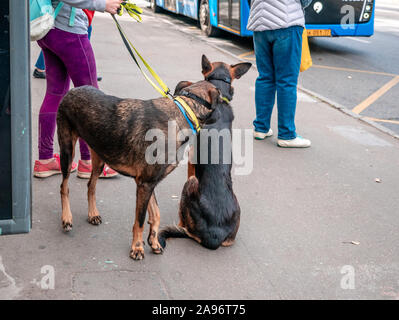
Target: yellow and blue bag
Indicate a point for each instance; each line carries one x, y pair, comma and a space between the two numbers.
306, 58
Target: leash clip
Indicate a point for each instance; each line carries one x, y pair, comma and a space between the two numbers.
171, 96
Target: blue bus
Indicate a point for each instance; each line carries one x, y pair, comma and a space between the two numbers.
324, 18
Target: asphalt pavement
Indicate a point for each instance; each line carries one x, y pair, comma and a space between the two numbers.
361, 74
317, 223
358, 74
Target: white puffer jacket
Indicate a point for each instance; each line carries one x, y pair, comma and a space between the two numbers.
275, 14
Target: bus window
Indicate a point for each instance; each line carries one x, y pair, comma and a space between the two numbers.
340, 18
229, 15
333, 12
223, 11
235, 14
170, 5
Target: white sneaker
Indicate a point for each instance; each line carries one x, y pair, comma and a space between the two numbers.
262, 135
298, 142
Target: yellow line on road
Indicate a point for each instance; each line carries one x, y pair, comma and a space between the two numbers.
354, 70
382, 120
375, 96
246, 54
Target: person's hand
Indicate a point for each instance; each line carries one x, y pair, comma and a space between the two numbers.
112, 6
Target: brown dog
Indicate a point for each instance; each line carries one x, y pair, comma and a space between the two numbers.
115, 130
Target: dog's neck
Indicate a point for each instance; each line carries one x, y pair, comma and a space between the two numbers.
221, 79
221, 118
201, 108
201, 112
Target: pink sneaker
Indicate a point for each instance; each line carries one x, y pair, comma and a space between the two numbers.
42, 170
84, 171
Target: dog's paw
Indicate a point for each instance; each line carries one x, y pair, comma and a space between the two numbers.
66, 226
156, 248
153, 242
95, 220
227, 243
137, 253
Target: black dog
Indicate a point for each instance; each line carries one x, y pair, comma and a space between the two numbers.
209, 211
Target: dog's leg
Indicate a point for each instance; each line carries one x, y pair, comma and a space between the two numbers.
190, 165
190, 194
67, 141
190, 170
97, 167
144, 192
154, 220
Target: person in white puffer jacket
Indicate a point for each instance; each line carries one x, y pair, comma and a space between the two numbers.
278, 26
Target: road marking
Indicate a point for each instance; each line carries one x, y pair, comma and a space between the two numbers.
359, 40
355, 70
375, 96
382, 120
9, 289
246, 54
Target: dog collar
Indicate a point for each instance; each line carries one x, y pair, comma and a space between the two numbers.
199, 99
184, 109
193, 96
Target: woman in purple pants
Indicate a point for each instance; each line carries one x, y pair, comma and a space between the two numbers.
68, 55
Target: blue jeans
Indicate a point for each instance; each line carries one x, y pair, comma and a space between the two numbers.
278, 58
40, 61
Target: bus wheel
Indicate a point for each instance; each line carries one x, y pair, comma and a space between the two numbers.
204, 18
154, 7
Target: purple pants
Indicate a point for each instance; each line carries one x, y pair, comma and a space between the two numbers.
67, 56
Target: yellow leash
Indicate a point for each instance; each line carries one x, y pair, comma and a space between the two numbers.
135, 11
164, 90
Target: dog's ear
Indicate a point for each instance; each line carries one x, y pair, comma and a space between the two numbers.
239, 69
181, 85
214, 94
206, 65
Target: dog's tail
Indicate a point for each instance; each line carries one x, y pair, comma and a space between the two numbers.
171, 232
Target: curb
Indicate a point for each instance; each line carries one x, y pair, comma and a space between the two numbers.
348, 112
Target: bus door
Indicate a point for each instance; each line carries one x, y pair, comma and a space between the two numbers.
170, 5
229, 15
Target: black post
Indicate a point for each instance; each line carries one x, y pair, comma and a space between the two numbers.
15, 118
